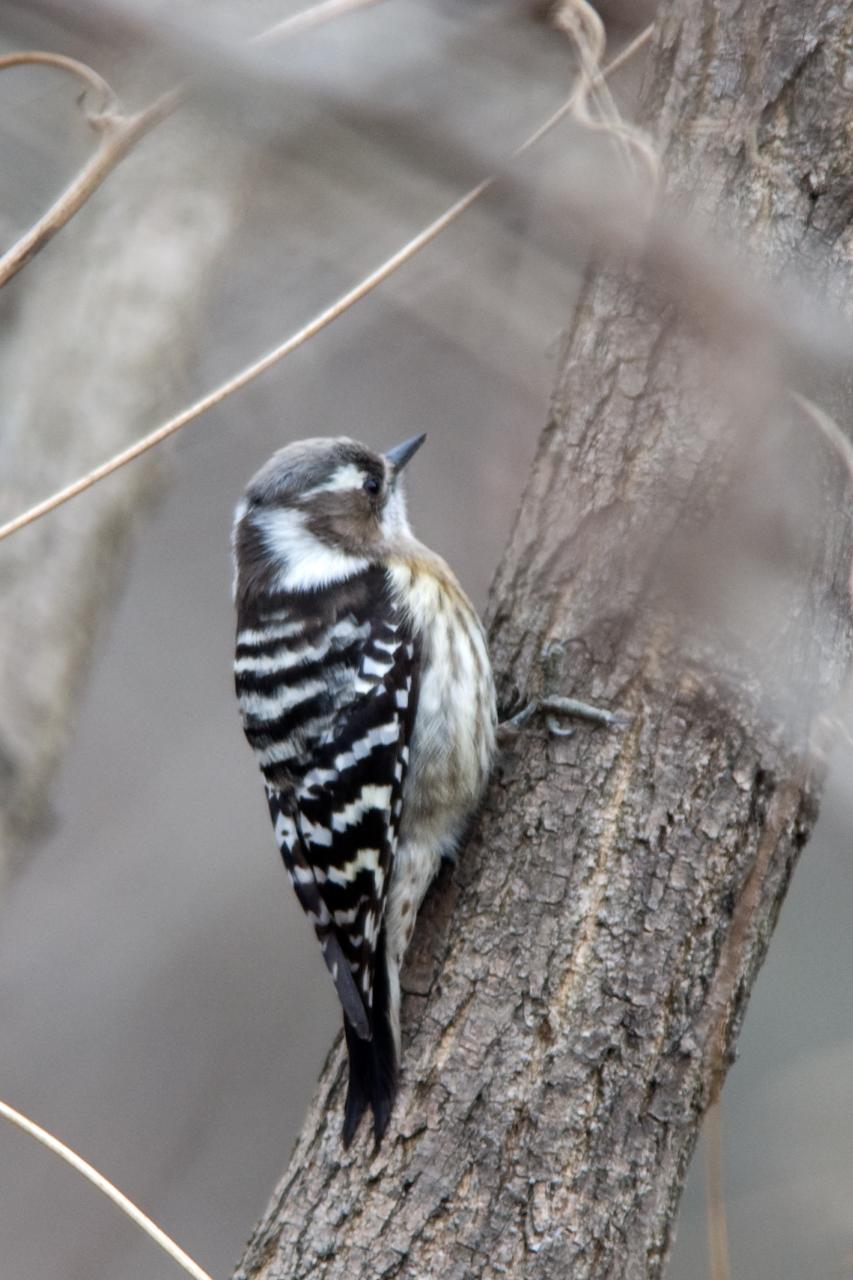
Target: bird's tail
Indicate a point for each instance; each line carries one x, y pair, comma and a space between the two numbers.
373, 1062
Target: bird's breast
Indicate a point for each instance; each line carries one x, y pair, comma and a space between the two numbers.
453, 740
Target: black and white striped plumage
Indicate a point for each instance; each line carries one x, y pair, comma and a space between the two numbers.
365, 690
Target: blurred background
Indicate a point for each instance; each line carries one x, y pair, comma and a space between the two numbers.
164, 1007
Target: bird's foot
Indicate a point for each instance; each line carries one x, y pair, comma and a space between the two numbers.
556, 706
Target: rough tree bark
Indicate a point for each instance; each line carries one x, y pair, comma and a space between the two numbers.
682, 551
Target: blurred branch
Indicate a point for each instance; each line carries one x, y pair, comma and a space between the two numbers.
107, 1188
583, 25
679, 262
119, 132
291, 344
247, 375
828, 427
326, 11
90, 79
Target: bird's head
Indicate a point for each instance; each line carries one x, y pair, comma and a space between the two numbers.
319, 511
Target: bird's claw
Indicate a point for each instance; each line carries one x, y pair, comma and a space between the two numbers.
556, 706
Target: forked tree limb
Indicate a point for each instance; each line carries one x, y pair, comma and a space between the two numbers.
682, 552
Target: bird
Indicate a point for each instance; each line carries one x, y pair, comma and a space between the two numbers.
366, 691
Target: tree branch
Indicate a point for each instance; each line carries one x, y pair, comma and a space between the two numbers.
85, 74
93, 1175
118, 133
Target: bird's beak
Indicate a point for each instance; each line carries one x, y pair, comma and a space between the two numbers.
401, 453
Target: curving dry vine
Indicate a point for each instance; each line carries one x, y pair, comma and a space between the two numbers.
682, 552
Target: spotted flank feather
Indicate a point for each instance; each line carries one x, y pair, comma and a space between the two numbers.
327, 687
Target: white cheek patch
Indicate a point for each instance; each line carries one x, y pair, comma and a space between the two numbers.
306, 562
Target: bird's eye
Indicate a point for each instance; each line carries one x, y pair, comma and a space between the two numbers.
372, 485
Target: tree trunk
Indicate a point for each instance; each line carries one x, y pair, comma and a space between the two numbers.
578, 981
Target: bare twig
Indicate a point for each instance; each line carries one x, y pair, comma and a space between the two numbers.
310, 18
118, 134
298, 339
828, 427
82, 72
583, 25
570, 106
166, 1243
718, 1237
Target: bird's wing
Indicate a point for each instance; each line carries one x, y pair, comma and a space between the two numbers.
336, 818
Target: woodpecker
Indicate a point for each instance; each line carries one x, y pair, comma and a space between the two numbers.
366, 691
